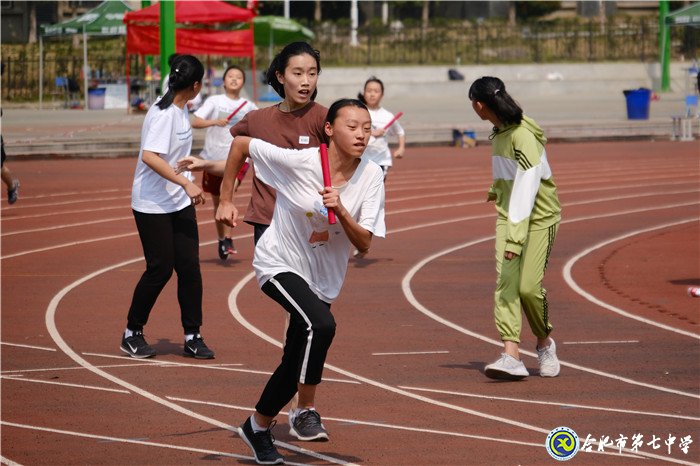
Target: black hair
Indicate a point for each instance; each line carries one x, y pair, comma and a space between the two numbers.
184, 72
234, 67
281, 60
371, 79
338, 104
491, 92
172, 58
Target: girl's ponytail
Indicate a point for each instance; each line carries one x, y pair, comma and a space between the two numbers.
185, 71
491, 92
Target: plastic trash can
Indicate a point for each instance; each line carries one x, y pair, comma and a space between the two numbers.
96, 98
638, 103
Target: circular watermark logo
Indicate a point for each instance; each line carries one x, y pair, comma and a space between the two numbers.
562, 443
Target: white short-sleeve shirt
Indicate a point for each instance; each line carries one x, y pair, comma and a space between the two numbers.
218, 139
167, 133
300, 239
378, 148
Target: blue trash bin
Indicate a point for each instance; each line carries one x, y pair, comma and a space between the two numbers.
96, 98
638, 103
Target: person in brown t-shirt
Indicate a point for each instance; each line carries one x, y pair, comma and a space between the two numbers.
295, 123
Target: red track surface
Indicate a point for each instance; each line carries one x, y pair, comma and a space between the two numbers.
404, 382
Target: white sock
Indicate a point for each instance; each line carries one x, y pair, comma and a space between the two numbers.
255, 426
190, 336
128, 333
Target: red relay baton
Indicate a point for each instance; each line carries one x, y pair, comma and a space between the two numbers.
228, 118
327, 178
393, 120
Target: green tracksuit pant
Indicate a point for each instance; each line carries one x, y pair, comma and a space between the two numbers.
519, 284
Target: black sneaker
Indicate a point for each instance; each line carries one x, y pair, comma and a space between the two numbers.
222, 250
226, 248
13, 192
262, 443
196, 348
136, 346
307, 426
230, 248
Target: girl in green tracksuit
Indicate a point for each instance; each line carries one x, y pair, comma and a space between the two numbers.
528, 218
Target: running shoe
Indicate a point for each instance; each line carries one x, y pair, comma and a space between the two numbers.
262, 443
549, 363
13, 192
230, 248
307, 426
226, 248
221, 249
136, 346
196, 348
506, 368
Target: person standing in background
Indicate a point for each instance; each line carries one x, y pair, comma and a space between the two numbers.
163, 203
529, 214
216, 114
378, 148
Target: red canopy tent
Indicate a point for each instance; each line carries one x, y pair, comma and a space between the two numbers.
143, 33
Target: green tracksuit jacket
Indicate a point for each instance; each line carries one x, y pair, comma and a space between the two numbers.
523, 188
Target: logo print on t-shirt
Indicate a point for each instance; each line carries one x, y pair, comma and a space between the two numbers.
303, 139
319, 224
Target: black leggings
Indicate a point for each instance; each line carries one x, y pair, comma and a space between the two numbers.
309, 335
170, 242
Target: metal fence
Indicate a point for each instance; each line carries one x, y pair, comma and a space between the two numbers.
444, 42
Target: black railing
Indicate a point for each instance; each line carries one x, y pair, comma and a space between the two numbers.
443, 43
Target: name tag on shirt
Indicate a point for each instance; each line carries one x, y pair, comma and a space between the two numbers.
303, 139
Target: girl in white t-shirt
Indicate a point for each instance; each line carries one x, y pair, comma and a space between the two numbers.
217, 115
163, 205
301, 260
378, 148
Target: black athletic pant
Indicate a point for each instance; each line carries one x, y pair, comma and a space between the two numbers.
170, 242
309, 335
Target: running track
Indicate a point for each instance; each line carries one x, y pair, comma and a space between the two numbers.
404, 383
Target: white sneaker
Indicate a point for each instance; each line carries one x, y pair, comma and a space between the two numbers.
549, 364
506, 368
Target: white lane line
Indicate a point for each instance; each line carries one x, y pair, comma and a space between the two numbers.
71, 368
601, 342
105, 238
372, 424
50, 321
408, 293
391, 212
19, 345
389, 388
224, 367
68, 225
106, 438
64, 384
8, 462
589, 297
552, 403
411, 353
235, 312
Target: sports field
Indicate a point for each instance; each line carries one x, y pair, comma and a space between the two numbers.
404, 382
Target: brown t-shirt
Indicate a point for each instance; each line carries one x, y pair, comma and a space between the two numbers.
300, 129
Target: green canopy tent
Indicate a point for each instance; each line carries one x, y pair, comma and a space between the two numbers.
688, 16
277, 30
271, 30
106, 19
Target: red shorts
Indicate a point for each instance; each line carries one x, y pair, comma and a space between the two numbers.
211, 184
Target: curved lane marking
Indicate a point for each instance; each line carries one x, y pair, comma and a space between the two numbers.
589, 297
235, 312
50, 320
